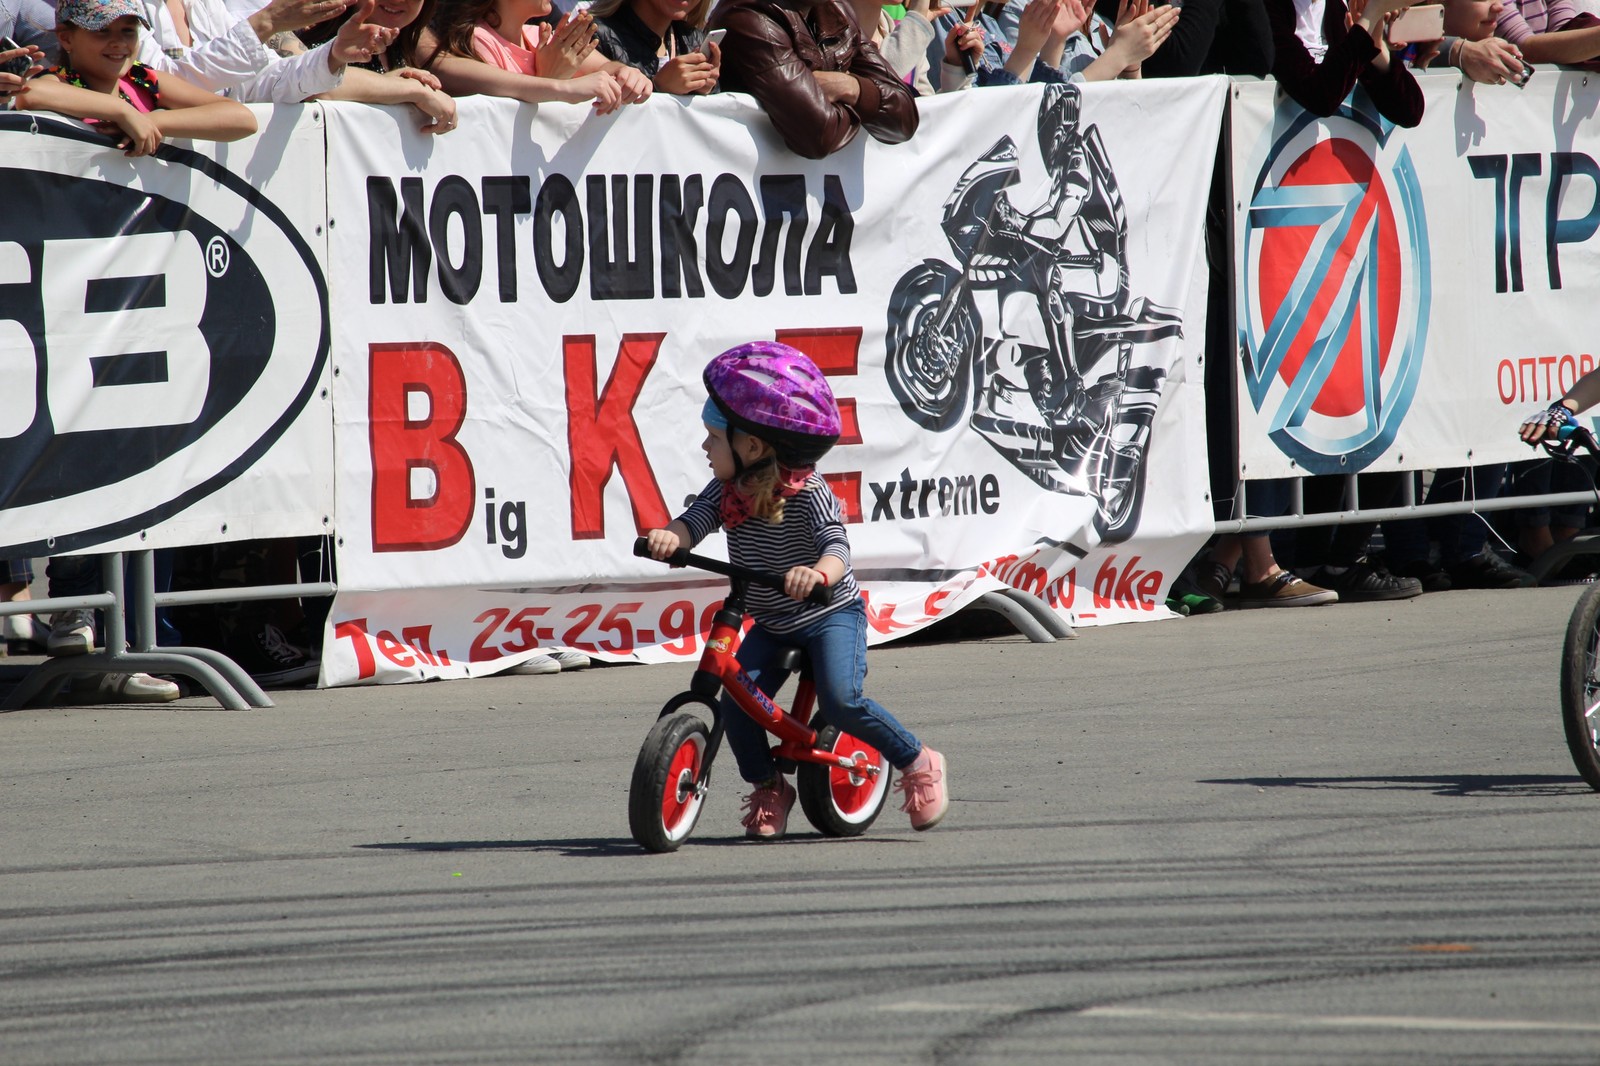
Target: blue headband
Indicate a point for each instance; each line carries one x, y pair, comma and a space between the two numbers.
712, 415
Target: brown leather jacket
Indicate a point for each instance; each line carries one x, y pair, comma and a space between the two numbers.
770, 51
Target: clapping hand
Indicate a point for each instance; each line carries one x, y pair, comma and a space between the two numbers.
563, 47
358, 41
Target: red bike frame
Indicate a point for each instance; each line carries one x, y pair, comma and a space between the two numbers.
720, 666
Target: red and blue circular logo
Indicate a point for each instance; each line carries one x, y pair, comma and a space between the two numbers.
1333, 304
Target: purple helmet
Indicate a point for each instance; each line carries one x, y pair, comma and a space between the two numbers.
775, 392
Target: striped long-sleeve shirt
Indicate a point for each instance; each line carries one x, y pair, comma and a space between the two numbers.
812, 527
1521, 19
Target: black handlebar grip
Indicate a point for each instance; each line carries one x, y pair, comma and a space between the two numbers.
641, 548
821, 595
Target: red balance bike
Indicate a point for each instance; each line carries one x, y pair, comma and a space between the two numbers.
842, 782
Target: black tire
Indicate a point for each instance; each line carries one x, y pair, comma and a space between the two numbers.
663, 802
931, 373
837, 802
1580, 686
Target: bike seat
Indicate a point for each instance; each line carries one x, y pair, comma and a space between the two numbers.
790, 659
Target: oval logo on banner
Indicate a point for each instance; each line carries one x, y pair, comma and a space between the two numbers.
148, 357
1335, 290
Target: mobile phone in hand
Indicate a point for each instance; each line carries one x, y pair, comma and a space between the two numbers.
19, 65
1522, 79
1421, 22
715, 36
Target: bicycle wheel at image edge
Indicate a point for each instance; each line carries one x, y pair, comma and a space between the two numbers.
663, 800
1580, 688
837, 802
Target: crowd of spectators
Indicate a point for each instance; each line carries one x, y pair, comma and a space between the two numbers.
147, 70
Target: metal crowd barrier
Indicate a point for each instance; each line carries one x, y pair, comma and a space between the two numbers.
136, 599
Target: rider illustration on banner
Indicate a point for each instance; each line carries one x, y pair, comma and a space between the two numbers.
1044, 371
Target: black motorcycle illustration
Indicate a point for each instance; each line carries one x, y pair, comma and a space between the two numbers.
1045, 371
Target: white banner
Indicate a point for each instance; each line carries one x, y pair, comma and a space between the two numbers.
163, 338
1406, 297
520, 334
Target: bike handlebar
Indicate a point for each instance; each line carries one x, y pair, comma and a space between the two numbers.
1571, 437
822, 595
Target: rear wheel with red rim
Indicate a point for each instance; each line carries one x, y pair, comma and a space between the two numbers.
664, 798
839, 802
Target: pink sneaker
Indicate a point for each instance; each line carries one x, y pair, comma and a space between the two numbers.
924, 784
768, 811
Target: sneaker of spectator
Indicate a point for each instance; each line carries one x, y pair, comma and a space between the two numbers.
568, 658
540, 662
71, 633
121, 688
1284, 589
269, 657
1434, 577
1365, 581
1486, 570
23, 633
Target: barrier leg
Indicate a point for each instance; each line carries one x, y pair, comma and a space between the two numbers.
1016, 614
221, 676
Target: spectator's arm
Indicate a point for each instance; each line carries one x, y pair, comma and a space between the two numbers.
293, 79
438, 111
190, 111
810, 123
907, 43
216, 65
1561, 46
1318, 87
1183, 53
887, 106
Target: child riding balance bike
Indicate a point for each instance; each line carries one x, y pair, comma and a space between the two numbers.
769, 417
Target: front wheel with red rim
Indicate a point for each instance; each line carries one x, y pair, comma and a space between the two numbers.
839, 802
664, 798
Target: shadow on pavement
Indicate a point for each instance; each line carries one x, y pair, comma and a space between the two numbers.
1515, 785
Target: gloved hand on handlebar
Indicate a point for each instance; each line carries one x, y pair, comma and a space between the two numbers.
1544, 425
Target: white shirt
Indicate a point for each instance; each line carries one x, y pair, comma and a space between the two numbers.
1308, 26
228, 58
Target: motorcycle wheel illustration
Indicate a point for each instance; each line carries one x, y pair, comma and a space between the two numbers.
1119, 480
931, 366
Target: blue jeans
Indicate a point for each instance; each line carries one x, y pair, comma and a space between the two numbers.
837, 647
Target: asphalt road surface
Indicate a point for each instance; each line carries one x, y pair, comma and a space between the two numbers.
1344, 834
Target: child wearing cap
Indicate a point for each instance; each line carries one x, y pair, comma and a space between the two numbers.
99, 42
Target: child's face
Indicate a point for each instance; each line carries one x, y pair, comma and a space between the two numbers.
102, 56
720, 448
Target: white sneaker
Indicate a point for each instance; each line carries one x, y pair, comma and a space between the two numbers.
71, 633
567, 658
123, 688
538, 663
